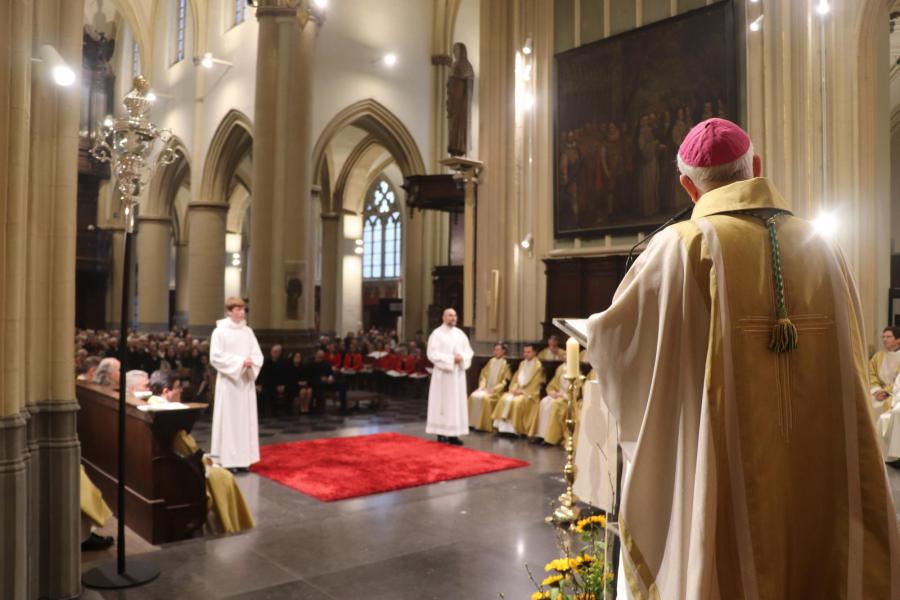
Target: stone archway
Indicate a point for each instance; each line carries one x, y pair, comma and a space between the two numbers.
384, 130
206, 220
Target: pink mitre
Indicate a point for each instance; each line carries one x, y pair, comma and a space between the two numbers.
712, 143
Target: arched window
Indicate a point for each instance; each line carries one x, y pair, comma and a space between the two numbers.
382, 233
240, 11
180, 19
135, 59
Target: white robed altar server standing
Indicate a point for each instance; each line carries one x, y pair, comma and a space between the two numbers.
451, 354
235, 354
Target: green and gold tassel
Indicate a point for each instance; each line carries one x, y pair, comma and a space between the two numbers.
784, 332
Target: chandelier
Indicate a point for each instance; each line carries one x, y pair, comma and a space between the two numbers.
127, 143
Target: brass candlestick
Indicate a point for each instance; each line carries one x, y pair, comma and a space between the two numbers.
566, 514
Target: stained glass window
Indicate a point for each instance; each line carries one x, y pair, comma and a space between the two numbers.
179, 29
240, 11
382, 233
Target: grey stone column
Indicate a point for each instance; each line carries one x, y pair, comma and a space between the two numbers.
14, 539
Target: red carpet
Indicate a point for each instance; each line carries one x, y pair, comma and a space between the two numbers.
339, 468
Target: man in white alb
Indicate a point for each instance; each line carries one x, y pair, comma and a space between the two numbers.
449, 351
235, 354
884, 388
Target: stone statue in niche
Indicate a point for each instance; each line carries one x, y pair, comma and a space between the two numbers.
460, 85
294, 289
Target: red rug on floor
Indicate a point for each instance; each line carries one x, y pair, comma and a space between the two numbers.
346, 467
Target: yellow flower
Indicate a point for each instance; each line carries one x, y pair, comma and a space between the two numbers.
552, 580
560, 564
540, 596
595, 520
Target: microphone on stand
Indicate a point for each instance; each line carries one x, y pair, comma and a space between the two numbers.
680, 215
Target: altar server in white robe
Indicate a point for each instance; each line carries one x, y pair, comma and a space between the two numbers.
235, 354
451, 354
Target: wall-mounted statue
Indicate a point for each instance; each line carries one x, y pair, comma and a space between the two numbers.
460, 85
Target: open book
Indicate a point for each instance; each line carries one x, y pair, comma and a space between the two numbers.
577, 328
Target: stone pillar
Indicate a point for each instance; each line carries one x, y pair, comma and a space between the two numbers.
154, 245
466, 171
330, 260
15, 114
281, 167
55, 569
206, 254
349, 275
182, 283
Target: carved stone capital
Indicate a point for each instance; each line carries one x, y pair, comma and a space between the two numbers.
276, 8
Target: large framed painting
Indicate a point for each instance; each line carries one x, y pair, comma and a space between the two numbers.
623, 106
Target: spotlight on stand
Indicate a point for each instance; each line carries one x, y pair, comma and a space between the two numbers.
527, 242
527, 48
390, 59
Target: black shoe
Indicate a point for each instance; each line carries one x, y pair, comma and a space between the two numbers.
455, 441
442, 438
96, 542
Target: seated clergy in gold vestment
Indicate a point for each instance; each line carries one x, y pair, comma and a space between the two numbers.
517, 407
552, 352
228, 511
549, 424
491, 383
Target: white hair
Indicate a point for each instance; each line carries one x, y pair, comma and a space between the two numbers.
101, 375
134, 378
709, 178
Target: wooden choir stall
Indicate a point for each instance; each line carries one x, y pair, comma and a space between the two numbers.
165, 492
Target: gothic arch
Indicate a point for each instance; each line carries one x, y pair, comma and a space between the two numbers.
382, 125
231, 142
166, 181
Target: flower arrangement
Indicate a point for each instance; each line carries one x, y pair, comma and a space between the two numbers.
580, 575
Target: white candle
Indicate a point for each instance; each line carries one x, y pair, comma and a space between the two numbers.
573, 366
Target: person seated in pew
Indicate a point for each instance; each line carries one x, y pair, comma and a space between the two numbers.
322, 380
272, 381
334, 356
107, 373
227, 509
137, 380
90, 367
298, 386
517, 407
413, 363
395, 362
94, 513
353, 362
549, 425
552, 352
492, 382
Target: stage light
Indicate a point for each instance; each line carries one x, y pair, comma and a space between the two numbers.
823, 7
151, 96
527, 242
526, 100
825, 224
390, 59
207, 60
359, 242
236, 263
358, 250
756, 25
321, 4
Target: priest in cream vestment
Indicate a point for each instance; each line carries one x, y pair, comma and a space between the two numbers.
234, 353
519, 406
491, 383
883, 369
449, 350
733, 357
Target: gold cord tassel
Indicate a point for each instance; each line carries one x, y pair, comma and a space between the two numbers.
784, 336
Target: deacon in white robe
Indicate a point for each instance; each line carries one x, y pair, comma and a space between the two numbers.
888, 425
235, 354
451, 354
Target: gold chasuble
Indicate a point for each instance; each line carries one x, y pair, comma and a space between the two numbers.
750, 473
491, 383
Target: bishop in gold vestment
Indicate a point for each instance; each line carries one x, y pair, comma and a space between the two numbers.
733, 357
491, 383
